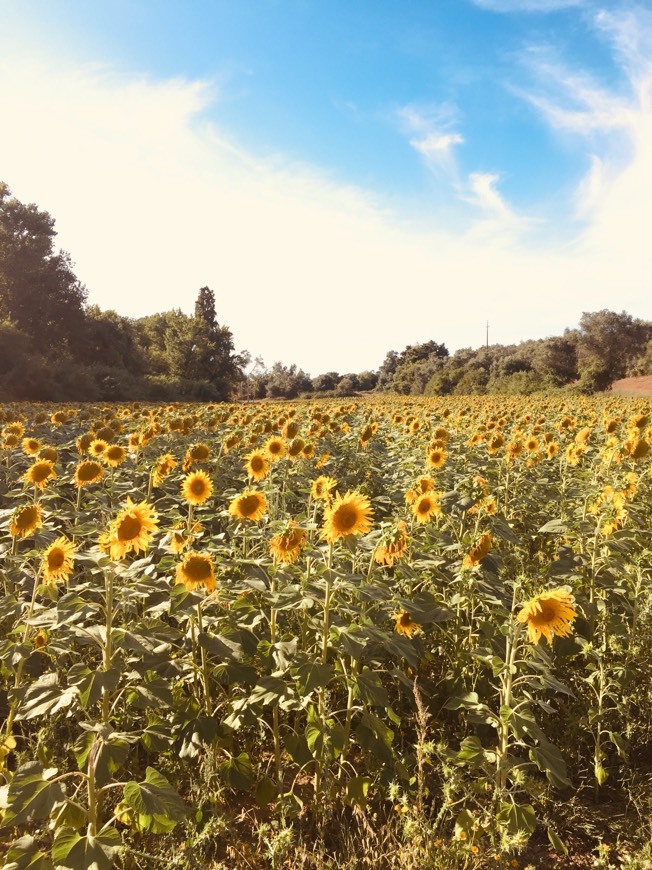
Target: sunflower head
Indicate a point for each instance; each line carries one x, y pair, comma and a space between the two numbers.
285, 548
349, 514
97, 448
114, 455
196, 487
87, 472
322, 487
250, 505
58, 560
436, 457
49, 453
25, 521
425, 507
477, 553
31, 446
275, 448
393, 545
195, 571
404, 625
257, 465
549, 613
40, 473
130, 531
163, 466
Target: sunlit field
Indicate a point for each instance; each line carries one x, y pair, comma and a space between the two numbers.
377, 633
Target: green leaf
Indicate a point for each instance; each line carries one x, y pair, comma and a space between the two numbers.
370, 689
549, 759
91, 684
313, 675
45, 696
266, 791
24, 854
556, 842
471, 752
73, 851
31, 796
237, 771
355, 792
155, 797
554, 527
517, 818
298, 749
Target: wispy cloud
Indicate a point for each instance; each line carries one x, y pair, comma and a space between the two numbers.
430, 131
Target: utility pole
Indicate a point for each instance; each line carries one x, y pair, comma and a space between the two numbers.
487, 333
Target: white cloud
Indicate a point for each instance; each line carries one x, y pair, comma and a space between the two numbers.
430, 133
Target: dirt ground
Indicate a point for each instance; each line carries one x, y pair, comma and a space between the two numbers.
633, 386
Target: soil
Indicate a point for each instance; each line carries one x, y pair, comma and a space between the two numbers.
633, 386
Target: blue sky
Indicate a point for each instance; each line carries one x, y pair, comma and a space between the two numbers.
349, 176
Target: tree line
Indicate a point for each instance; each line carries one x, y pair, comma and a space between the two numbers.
55, 346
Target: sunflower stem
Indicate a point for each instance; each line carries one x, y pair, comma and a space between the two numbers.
108, 644
204, 664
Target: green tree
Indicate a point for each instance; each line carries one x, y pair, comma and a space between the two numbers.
606, 346
39, 291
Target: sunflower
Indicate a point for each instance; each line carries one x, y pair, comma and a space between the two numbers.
275, 448
114, 455
130, 530
197, 570
350, 514
636, 448
257, 465
404, 625
97, 448
393, 545
181, 537
49, 453
549, 613
10, 440
31, 446
251, 505
477, 553
196, 487
426, 507
25, 521
295, 448
421, 487
58, 560
366, 435
39, 473
164, 465
199, 452
322, 488
88, 472
286, 547
436, 457
83, 442
308, 451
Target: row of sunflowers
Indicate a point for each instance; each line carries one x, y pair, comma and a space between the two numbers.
426, 619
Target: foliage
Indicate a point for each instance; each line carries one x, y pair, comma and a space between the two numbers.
324, 675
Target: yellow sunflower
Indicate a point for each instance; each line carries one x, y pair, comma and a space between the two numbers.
197, 570
275, 448
295, 448
97, 448
130, 531
549, 613
199, 453
83, 442
31, 446
286, 547
49, 453
393, 545
88, 472
257, 465
114, 455
404, 624
426, 507
196, 487
350, 514
436, 457
164, 465
25, 521
40, 473
322, 487
58, 560
250, 505
477, 553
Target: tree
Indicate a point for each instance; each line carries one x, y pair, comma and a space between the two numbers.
39, 291
607, 344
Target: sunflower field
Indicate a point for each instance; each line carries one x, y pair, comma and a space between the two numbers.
379, 633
